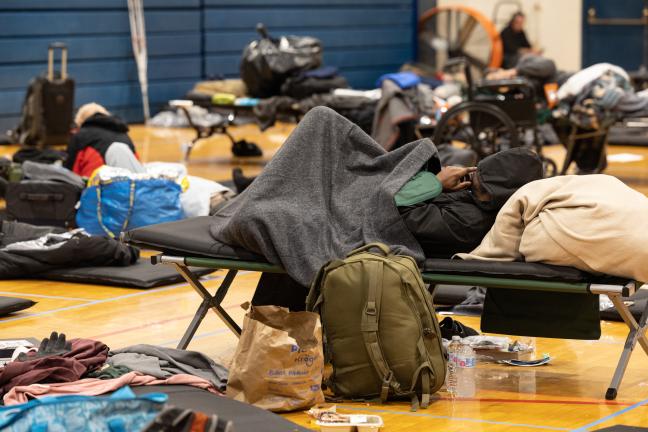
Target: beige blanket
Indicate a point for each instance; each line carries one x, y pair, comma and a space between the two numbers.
593, 222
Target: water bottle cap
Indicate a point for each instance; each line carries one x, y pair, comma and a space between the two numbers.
456, 338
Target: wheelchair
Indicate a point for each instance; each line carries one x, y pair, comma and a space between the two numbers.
496, 115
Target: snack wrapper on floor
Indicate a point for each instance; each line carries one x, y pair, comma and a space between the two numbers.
278, 363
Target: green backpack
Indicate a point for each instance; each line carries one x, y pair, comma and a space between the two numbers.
380, 330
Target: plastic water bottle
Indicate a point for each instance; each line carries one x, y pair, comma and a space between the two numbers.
466, 362
451, 375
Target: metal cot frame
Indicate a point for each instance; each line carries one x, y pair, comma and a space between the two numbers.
636, 332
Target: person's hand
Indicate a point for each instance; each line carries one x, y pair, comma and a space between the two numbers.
455, 178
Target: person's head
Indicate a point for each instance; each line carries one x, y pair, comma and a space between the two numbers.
88, 110
500, 175
517, 22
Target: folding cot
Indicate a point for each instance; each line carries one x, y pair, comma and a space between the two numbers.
188, 243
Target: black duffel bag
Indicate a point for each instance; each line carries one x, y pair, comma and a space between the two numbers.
42, 202
267, 62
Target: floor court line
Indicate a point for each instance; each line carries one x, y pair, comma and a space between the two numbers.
150, 291
166, 321
464, 419
148, 324
96, 302
541, 401
9, 293
611, 416
196, 337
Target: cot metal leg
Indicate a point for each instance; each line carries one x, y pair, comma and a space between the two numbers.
637, 334
209, 302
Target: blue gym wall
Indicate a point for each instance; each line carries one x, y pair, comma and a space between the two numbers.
187, 40
622, 45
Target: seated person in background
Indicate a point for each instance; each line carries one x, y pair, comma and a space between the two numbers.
456, 221
515, 42
102, 139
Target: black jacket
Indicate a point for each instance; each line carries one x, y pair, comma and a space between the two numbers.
457, 222
99, 131
78, 251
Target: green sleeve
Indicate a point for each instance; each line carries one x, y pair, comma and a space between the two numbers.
422, 187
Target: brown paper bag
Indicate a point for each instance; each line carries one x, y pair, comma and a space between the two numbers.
278, 363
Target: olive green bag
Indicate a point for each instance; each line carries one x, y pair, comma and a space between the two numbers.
380, 331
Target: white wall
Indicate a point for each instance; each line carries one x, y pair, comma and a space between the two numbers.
554, 25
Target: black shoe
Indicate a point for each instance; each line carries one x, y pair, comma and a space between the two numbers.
450, 327
244, 148
241, 182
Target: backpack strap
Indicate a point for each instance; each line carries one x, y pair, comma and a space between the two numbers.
314, 297
369, 328
426, 373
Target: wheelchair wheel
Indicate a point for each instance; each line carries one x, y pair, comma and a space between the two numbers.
484, 128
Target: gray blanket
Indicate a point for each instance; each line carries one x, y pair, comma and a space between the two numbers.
327, 191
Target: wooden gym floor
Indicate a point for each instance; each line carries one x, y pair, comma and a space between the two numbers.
566, 395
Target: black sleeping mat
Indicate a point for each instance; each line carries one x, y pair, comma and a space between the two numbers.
188, 237
191, 237
141, 275
246, 418
10, 305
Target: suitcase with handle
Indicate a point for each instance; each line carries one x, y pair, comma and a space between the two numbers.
47, 112
58, 99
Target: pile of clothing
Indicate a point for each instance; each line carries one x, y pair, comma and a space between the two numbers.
598, 96
88, 367
288, 66
404, 99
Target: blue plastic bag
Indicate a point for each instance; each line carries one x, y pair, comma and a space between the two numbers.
121, 412
109, 207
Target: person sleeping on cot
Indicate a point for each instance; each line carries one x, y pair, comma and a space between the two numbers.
452, 211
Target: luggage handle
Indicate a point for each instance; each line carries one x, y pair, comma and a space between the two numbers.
263, 31
383, 248
50, 60
41, 197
